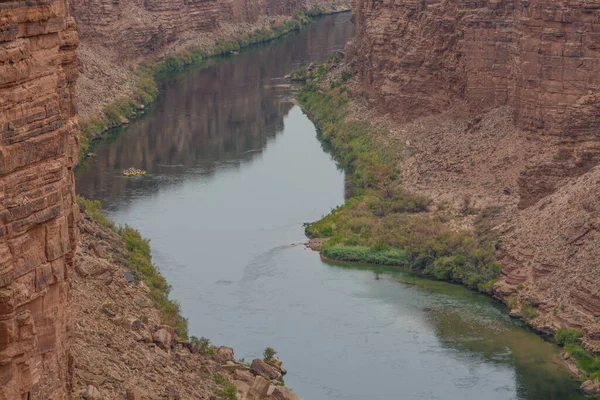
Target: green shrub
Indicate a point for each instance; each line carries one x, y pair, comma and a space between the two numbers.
366, 255
587, 362
346, 75
94, 209
140, 261
384, 223
218, 378
202, 345
269, 353
228, 392
566, 336
528, 311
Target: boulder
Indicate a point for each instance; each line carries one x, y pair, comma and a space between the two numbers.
283, 393
91, 393
259, 388
242, 387
224, 354
277, 363
590, 387
243, 376
230, 366
163, 339
134, 394
259, 367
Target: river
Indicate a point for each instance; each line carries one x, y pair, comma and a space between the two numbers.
234, 169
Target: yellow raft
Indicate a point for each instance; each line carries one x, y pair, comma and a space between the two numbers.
133, 172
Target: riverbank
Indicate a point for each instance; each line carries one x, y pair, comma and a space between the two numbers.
131, 339
384, 223
140, 82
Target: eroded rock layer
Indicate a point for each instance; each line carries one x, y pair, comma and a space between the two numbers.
540, 57
37, 216
498, 103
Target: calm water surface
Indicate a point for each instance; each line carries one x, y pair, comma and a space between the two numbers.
234, 169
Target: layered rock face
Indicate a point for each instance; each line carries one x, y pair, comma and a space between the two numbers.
143, 27
526, 73
37, 216
540, 57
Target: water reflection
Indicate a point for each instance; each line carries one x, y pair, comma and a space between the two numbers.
477, 333
210, 118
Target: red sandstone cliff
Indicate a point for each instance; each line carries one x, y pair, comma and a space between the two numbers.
497, 101
37, 216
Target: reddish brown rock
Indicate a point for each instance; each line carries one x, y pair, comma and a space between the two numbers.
163, 338
283, 393
259, 367
259, 388
590, 387
224, 354
38, 218
536, 56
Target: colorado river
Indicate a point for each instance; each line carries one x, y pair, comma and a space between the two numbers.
234, 169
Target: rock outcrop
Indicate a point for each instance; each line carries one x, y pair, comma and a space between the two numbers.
497, 102
537, 56
38, 219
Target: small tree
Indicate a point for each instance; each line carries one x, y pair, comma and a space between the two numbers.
269, 353
202, 345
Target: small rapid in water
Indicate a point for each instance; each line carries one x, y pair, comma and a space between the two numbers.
233, 170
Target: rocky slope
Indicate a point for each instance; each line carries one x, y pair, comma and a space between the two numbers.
38, 217
121, 350
495, 103
118, 35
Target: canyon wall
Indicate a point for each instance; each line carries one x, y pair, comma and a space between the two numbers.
539, 57
143, 27
497, 102
37, 217
117, 35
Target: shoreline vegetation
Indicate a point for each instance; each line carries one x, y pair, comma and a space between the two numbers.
381, 223
140, 262
122, 110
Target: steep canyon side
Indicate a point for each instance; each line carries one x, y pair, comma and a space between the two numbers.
118, 35
497, 102
38, 218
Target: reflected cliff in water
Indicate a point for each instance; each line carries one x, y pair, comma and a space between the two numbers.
214, 117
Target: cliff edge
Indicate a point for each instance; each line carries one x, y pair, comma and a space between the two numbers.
38, 217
